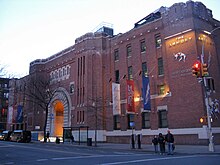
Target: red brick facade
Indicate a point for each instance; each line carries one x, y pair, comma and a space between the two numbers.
84, 74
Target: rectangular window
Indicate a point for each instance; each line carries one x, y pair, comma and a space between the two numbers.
78, 66
143, 46
129, 51
117, 124
162, 114
130, 121
116, 55
161, 89
130, 77
158, 41
77, 118
117, 76
84, 64
160, 66
145, 120
144, 69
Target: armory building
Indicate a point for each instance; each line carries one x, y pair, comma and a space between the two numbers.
108, 87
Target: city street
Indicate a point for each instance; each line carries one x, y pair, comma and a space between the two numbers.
57, 154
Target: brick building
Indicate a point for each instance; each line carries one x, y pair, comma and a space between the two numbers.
4, 93
83, 80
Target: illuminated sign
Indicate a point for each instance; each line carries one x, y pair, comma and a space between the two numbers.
180, 40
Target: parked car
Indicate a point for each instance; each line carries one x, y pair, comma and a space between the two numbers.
6, 135
1, 136
21, 136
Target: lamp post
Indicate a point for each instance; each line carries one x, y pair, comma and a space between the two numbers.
211, 144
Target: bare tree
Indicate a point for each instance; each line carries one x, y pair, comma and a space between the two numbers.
2, 71
39, 92
97, 107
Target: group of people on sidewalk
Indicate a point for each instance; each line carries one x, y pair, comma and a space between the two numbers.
162, 140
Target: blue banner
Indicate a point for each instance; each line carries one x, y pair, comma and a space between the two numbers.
19, 118
146, 93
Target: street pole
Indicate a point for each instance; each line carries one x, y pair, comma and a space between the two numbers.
209, 131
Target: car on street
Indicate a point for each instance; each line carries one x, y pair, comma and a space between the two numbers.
21, 136
5, 135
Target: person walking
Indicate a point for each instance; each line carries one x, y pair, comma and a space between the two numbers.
161, 141
155, 143
169, 138
72, 138
48, 136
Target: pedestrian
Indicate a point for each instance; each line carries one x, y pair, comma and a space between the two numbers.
48, 136
170, 142
72, 138
161, 141
155, 143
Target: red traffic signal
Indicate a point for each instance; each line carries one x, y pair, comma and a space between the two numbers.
196, 69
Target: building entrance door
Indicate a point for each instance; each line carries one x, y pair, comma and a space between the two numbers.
58, 118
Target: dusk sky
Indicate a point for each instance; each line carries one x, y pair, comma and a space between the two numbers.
37, 29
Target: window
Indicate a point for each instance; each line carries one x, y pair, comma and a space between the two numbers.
72, 88
117, 76
64, 71
130, 73
161, 89
117, 124
144, 69
160, 66
60, 73
162, 114
84, 65
145, 120
143, 46
158, 41
130, 121
116, 55
129, 51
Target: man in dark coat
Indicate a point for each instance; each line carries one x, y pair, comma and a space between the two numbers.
155, 143
170, 140
161, 142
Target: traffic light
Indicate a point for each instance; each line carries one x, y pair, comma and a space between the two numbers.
196, 69
204, 69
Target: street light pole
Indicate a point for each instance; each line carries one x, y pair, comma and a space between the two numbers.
211, 144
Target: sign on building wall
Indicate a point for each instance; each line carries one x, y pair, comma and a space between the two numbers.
146, 93
116, 99
130, 96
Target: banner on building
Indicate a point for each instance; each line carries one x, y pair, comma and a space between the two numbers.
19, 118
130, 96
146, 93
10, 114
116, 99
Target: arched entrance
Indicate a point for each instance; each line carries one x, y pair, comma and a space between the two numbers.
58, 118
59, 114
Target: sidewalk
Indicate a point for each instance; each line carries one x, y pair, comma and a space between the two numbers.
179, 149
184, 149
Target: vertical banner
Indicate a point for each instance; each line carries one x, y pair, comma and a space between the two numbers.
14, 115
19, 117
10, 115
146, 93
116, 99
130, 96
